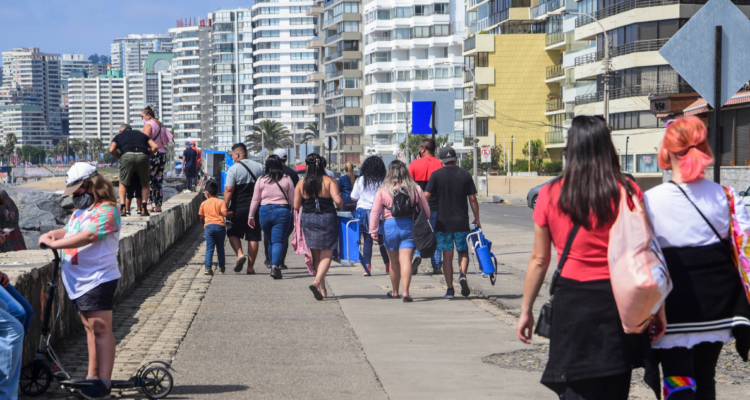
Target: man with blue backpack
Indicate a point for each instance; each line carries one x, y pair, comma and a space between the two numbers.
450, 187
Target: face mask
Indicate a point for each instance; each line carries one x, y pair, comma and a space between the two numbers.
83, 201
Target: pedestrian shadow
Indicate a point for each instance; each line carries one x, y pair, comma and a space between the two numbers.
385, 298
206, 389
508, 296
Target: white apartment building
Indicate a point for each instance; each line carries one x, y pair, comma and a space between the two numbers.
232, 76
281, 63
97, 69
73, 63
33, 77
98, 106
129, 53
191, 75
340, 62
146, 89
27, 123
410, 45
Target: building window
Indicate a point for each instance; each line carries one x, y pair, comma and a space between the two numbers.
629, 167
350, 139
482, 128
647, 163
482, 60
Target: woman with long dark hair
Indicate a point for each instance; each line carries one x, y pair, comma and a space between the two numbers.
590, 356
397, 224
318, 197
274, 192
364, 191
707, 306
155, 130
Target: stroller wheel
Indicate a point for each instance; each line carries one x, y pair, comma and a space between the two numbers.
35, 378
157, 382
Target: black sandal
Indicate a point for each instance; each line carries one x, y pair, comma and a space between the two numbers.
408, 299
391, 296
316, 293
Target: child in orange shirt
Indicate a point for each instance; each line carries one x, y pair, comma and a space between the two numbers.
212, 213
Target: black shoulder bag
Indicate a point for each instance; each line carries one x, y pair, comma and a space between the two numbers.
544, 324
424, 237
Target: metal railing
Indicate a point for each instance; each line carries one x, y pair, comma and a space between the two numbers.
555, 104
334, 56
332, 75
555, 71
628, 5
635, 47
555, 38
468, 108
544, 8
647, 90
333, 93
470, 43
468, 76
333, 38
373, 39
554, 137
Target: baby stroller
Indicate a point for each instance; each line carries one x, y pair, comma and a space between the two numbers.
484, 260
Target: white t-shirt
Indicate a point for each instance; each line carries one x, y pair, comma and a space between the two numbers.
677, 224
89, 266
364, 196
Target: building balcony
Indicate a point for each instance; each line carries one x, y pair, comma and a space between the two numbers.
485, 109
555, 105
479, 44
315, 77
317, 109
474, 4
635, 91
315, 43
555, 39
314, 11
635, 47
348, 55
554, 137
542, 9
555, 72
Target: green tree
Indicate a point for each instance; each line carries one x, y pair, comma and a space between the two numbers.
440, 142
94, 58
33, 154
10, 146
311, 133
269, 134
497, 157
538, 153
78, 147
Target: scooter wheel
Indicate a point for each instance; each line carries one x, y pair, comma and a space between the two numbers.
156, 382
35, 378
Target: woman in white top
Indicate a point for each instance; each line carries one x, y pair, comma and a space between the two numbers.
366, 186
707, 307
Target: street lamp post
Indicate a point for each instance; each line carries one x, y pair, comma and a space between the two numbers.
606, 63
406, 130
338, 128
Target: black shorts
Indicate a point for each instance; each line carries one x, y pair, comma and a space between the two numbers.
240, 228
100, 298
134, 190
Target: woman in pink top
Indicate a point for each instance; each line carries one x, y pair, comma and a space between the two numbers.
274, 192
399, 242
153, 128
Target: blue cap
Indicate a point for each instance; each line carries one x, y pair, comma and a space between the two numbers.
187, 143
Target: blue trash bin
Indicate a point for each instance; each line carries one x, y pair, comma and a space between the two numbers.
348, 239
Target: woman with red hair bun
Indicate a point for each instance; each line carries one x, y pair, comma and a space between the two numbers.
707, 306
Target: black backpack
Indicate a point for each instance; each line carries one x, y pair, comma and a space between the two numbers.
401, 205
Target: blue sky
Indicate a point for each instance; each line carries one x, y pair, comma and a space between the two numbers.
89, 26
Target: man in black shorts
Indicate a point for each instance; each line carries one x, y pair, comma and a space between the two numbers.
134, 150
133, 192
238, 193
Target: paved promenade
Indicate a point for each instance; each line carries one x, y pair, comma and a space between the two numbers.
238, 336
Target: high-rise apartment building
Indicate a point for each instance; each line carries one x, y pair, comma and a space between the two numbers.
33, 77
73, 63
410, 46
27, 123
98, 106
97, 69
281, 63
149, 88
129, 53
232, 76
192, 85
340, 62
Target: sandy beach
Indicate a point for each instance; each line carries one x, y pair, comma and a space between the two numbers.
48, 184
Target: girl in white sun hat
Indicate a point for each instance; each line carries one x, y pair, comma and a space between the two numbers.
89, 267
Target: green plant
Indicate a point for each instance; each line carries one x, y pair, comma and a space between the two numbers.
268, 134
552, 167
311, 133
33, 154
496, 155
538, 153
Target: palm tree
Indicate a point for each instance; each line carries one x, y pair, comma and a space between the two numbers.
77, 146
311, 133
10, 146
441, 141
62, 147
269, 134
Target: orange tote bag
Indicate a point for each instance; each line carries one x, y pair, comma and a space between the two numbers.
639, 276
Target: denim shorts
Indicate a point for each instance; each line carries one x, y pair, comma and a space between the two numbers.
445, 240
398, 233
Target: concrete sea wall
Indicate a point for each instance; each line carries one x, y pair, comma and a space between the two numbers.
143, 240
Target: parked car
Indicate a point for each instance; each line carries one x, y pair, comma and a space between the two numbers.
534, 192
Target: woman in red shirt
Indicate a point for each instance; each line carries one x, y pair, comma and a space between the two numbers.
590, 355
